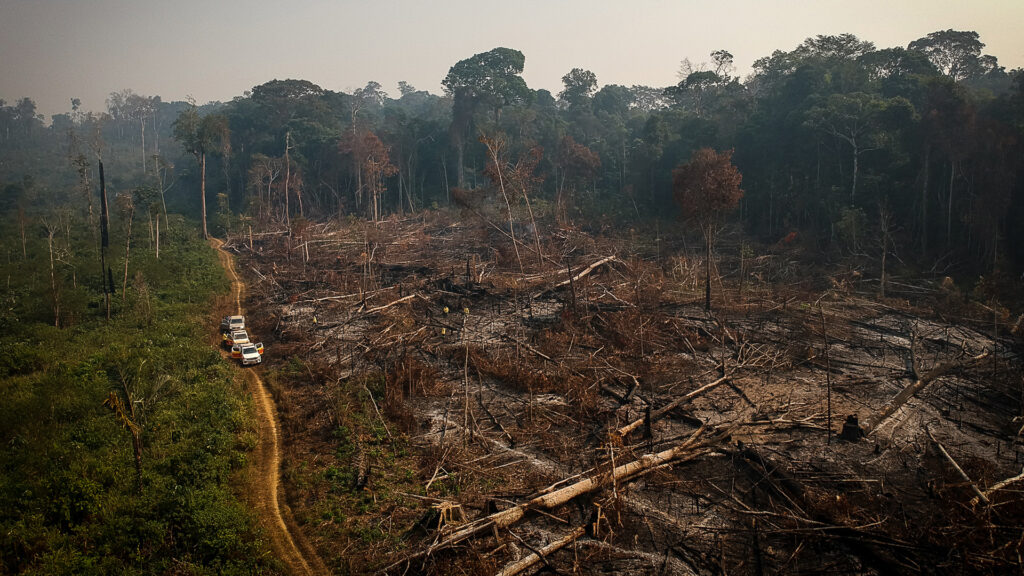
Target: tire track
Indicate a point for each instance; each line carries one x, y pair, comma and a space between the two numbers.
288, 545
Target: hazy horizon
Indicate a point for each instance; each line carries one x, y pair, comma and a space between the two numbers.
57, 50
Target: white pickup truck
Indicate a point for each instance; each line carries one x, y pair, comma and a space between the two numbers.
236, 337
248, 353
229, 324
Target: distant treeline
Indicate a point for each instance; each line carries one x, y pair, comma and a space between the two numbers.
832, 138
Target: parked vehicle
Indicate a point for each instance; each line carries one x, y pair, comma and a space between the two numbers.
251, 354
236, 337
231, 323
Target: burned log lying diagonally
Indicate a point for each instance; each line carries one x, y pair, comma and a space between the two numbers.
577, 277
687, 450
904, 396
978, 494
624, 430
528, 561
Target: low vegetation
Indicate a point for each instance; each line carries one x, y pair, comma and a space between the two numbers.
119, 439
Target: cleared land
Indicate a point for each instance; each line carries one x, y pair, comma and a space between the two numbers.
446, 409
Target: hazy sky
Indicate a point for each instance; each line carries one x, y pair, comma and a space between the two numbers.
53, 50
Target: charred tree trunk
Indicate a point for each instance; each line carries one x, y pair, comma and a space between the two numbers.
924, 203
127, 250
55, 293
707, 268
287, 180
104, 239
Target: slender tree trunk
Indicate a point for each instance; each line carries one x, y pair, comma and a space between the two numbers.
53, 277
536, 232
707, 268
885, 222
24, 243
127, 254
856, 165
163, 192
142, 136
501, 185
158, 238
104, 239
411, 186
828, 379
137, 449
202, 191
287, 180
447, 188
884, 279
924, 202
459, 157
949, 209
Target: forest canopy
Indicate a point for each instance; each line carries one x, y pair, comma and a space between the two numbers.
823, 134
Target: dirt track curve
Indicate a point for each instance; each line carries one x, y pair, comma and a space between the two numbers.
286, 541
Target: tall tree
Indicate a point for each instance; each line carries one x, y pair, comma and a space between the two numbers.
25, 114
489, 79
956, 53
139, 108
126, 205
580, 85
855, 119
706, 188
105, 272
200, 135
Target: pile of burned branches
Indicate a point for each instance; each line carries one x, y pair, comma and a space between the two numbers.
581, 411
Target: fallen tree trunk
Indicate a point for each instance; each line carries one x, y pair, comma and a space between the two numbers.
576, 278
520, 565
907, 393
979, 495
670, 406
687, 450
999, 486
386, 306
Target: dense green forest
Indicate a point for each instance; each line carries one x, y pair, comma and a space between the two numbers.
834, 138
121, 441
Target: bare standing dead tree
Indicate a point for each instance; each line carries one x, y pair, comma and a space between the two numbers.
496, 171
51, 230
706, 188
885, 226
126, 204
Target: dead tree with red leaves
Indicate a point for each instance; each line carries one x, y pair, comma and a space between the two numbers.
706, 188
577, 166
373, 165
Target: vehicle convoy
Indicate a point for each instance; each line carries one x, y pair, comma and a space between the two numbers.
235, 338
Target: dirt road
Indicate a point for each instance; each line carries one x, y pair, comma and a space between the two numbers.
286, 541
